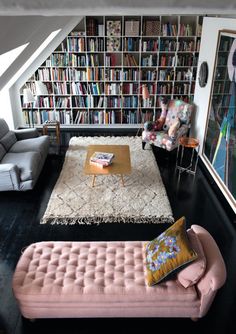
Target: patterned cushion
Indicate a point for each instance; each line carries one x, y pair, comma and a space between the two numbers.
168, 252
8, 140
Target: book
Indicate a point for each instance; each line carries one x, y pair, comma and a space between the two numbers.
113, 28
100, 164
102, 157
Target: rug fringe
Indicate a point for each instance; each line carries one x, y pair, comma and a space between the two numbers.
109, 219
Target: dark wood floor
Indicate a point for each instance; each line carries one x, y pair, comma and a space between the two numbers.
197, 200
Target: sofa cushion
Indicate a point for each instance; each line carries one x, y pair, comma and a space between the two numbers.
195, 270
2, 152
168, 252
38, 144
3, 128
26, 162
8, 140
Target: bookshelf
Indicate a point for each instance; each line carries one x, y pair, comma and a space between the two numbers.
94, 78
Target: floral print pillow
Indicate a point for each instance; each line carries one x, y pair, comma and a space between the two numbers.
168, 252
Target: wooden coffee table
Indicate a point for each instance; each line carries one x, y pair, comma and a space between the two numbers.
120, 164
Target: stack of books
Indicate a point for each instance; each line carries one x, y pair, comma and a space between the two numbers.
101, 159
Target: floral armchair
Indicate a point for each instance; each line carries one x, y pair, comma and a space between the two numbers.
173, 123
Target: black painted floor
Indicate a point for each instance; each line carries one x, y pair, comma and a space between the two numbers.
20, 214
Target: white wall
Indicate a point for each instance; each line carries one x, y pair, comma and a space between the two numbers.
211, 27
23, 30
20, 30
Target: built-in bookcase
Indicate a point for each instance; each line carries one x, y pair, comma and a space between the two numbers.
95, 76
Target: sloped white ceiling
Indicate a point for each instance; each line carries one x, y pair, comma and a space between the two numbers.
19, 30
82, 7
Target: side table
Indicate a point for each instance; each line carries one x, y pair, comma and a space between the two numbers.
183, 163
53, 125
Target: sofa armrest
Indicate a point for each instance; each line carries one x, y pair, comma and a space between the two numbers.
26, 133
215, 273
9, 177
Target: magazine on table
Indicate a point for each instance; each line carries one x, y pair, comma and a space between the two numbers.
102, 157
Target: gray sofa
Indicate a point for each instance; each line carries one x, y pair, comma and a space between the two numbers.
22, 156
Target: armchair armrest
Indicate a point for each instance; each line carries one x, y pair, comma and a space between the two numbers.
183, 130
26, 133
215, 274
148, 126
9, 177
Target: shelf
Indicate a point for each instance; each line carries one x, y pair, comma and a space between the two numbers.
139, 58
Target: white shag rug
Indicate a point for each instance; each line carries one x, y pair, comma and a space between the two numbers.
142, 200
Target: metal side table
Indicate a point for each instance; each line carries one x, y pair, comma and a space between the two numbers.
183, 162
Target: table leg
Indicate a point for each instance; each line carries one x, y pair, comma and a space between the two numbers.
122, 180
93, 181
181, 157
177, 157
58, 133
45, 130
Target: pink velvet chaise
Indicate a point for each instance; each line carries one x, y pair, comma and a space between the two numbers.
107, 279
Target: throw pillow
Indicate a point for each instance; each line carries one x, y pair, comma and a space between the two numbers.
8, 140
168, 252
192, 273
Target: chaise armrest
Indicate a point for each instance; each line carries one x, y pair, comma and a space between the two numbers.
9, 177
26, 133
215, 274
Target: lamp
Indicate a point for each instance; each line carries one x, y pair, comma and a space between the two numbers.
40, 88
29, 98
145, 96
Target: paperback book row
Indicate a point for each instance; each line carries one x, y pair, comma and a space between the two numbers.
39, 117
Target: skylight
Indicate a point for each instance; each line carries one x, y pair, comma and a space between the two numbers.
9, 57
29, 61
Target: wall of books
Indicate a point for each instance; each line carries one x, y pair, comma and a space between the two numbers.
96, 75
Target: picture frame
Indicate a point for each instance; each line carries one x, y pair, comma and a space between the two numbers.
219, 145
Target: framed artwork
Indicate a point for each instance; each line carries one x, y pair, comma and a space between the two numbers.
220, 135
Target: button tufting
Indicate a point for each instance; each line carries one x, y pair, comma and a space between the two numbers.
80, 271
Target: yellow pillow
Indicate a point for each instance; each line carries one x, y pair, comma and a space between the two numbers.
168, 252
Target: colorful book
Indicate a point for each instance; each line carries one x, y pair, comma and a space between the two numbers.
102, 157
114, 28
100, 164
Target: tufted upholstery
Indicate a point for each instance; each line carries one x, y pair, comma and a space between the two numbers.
95, 279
